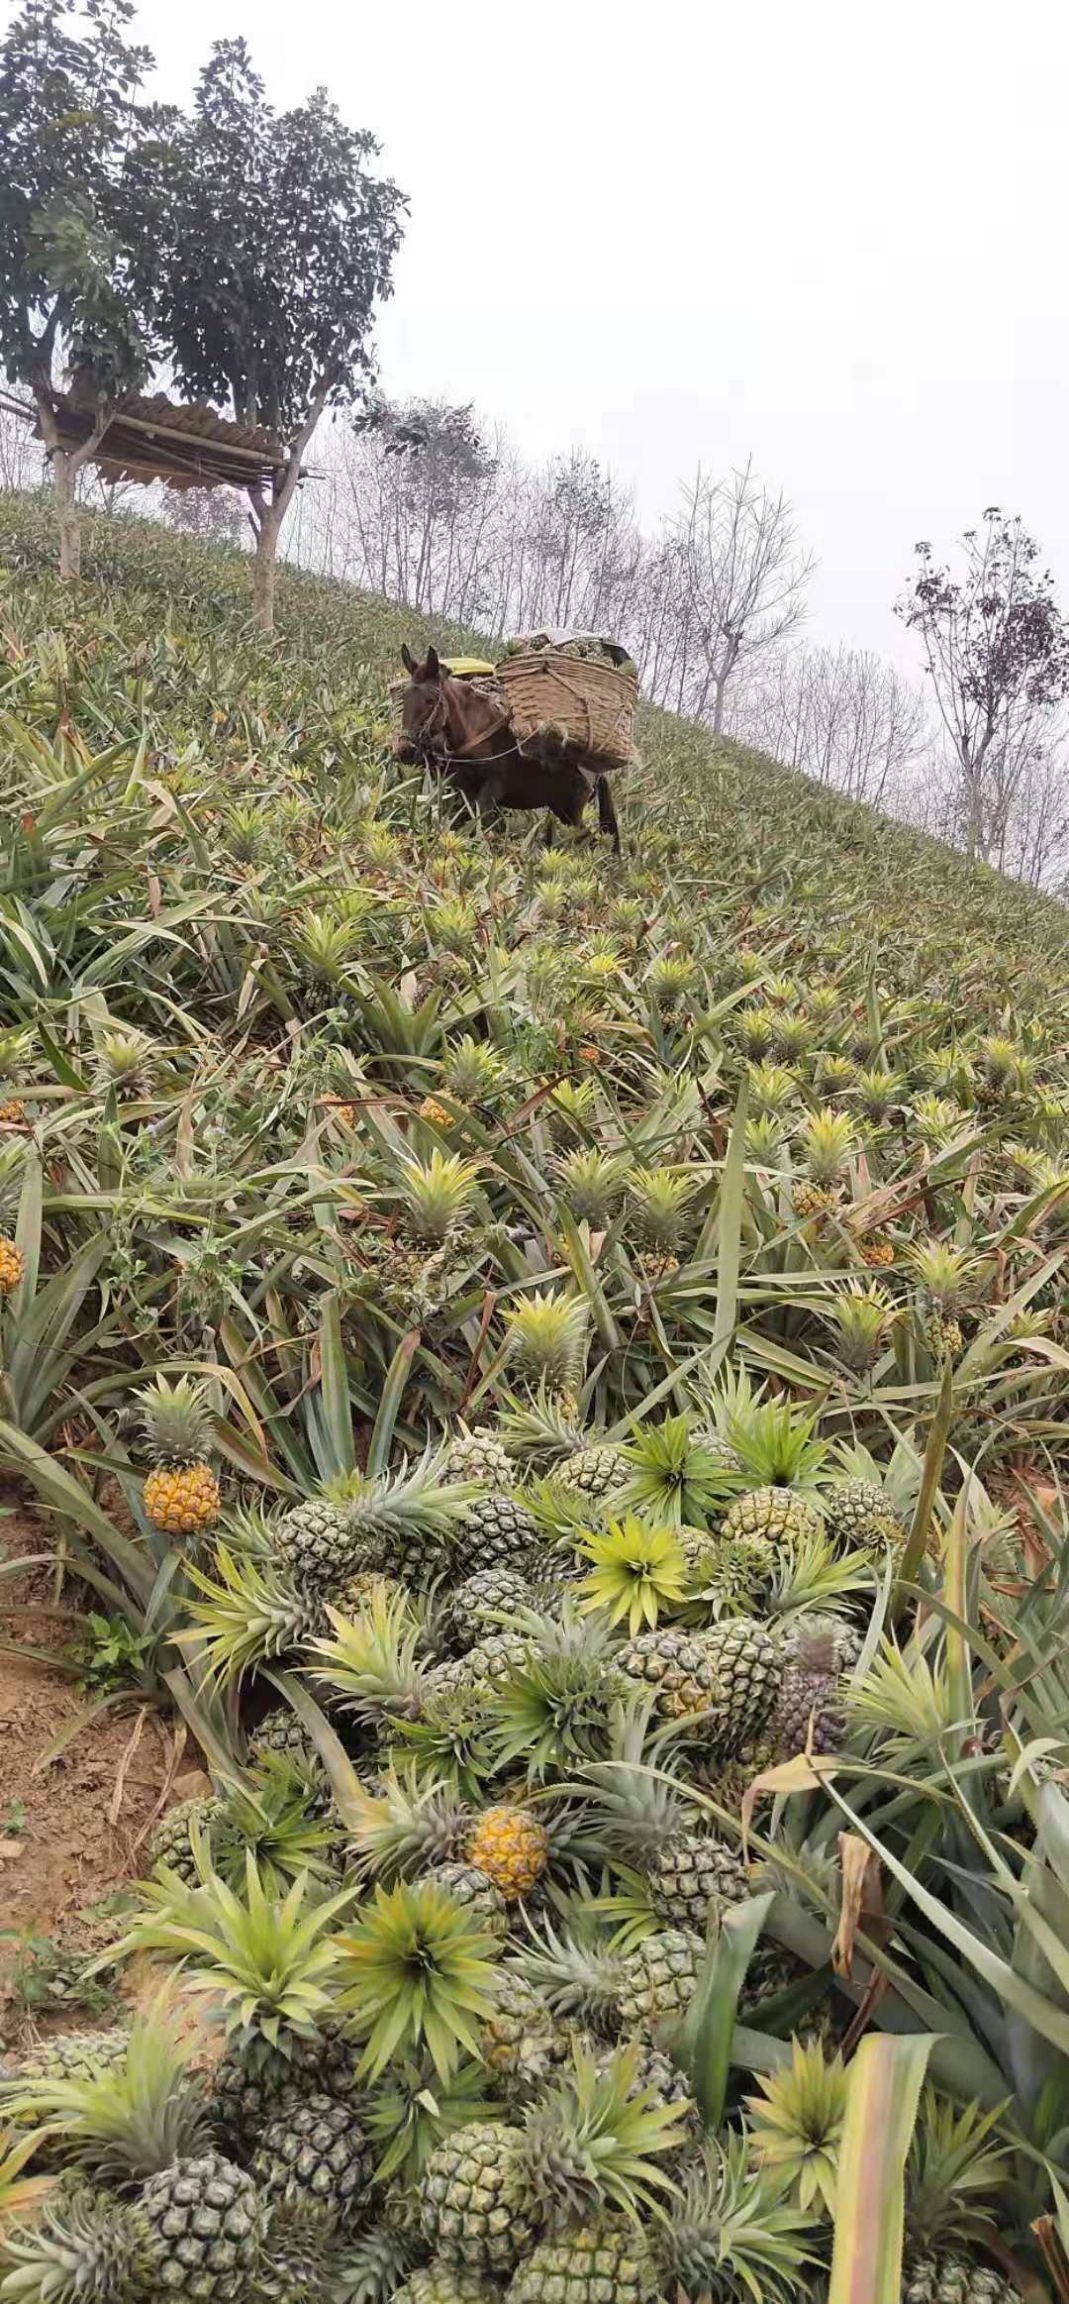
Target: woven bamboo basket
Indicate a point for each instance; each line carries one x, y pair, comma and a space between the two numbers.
588, 705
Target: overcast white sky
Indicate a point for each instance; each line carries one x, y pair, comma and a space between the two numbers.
832, 233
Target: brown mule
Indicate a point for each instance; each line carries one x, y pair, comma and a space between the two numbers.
466, 736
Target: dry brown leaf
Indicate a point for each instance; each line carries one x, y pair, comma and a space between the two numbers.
805, 1773
862, 1905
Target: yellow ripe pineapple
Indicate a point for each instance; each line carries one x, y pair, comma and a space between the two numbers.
12, 1266
511, 1847
12, 1112
181, 1493
436, 1113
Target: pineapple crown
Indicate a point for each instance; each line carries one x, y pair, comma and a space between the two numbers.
547, 1339
594, 2140
828, 1139
418, 1974
636, 1572
417, 1500
176, 1420
373, 1658
796, 2125
553, 1705
403, 1828
774, 1441
955, 2172
132, 2117
269, 1962
732, 2234
248, 1614
437, 1193
412, 2107
680, 1472
80, 2246
575, 1971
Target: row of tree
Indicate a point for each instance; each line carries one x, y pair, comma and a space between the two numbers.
238, 249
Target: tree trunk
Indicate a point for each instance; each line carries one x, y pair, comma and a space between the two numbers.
70, 533
719, 695
264, 567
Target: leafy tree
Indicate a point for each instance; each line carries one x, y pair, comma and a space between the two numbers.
72, 272
996, 651
273, 241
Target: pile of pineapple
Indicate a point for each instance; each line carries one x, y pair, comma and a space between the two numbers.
540, 1354
455, 1908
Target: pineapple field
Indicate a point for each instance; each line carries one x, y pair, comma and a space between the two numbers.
533, 1442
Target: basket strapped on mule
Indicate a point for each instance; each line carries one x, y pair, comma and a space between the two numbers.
584, 703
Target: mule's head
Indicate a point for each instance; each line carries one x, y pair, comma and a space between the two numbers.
424, 709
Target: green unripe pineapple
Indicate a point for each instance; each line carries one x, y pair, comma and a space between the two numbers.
441, 2283
748, 1668
692, 1871
480, 1457
658, 1978
172, 1842
475, 1890
477, 2208
315, 1544
498, 1532
606, 2262
955, 2279
676, 1669
593, 1472
858, 1514
312, 2149
774, 1515
207, 2223
476, 1608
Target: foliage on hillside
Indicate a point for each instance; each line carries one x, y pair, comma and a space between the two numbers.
539, 1357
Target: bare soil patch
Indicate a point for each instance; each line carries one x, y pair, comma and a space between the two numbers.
72, 1827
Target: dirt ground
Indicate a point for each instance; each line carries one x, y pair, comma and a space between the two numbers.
73, 1823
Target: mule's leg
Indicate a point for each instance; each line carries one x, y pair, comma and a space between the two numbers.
488, 796
607, 813
548, 835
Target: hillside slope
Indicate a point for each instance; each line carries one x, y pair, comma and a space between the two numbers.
622, 1318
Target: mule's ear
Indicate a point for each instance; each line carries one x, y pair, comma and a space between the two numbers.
407, 658
434, 669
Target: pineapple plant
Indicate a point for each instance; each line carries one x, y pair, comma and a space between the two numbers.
947, 1279
181, 1493
827, 1142
187, 2217
731, 2235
